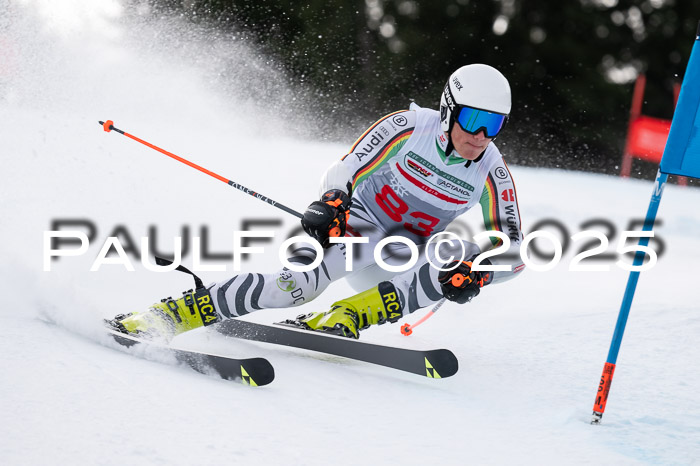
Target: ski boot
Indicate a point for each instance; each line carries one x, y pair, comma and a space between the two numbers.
347, 317
168, 318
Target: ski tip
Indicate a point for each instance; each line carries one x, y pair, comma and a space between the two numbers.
257, 372
440, 364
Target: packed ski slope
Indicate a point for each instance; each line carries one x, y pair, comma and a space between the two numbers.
531, 351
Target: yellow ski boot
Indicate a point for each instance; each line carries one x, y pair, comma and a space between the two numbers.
347, 317
168, 318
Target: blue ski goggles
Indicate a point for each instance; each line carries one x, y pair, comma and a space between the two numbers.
472, 120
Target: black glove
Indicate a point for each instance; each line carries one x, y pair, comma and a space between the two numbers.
461, 284
328, 217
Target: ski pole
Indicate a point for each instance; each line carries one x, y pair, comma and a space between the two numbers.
407, 329
109, 126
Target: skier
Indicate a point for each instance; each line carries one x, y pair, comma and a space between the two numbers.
410, 174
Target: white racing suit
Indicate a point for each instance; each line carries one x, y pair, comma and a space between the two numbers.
401, 183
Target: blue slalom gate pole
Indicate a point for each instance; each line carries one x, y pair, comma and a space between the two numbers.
609, 368
681, 157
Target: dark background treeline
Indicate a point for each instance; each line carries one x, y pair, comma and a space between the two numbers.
571, 64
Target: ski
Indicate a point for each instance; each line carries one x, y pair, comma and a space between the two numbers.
434, 364
251, 371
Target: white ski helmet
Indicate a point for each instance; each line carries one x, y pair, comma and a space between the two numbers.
478, 86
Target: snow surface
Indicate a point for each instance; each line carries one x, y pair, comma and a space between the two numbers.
531, 351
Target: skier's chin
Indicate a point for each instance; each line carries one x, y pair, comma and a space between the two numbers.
470, 152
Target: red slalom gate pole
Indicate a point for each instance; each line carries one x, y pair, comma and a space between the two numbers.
407, 329
109, 126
